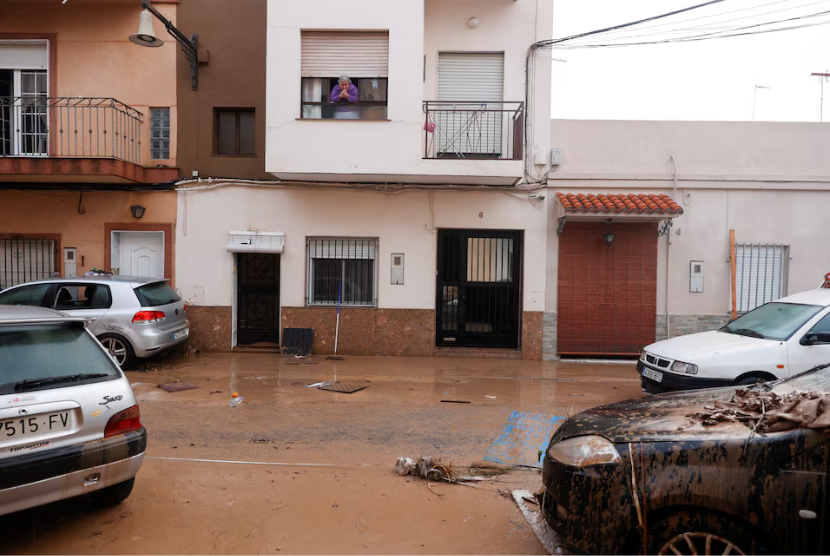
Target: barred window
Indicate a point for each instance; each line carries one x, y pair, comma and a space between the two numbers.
761, 274
159, 133
344, 269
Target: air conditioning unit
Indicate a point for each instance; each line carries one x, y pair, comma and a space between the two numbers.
256, 242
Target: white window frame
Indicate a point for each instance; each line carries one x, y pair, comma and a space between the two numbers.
310, 241
17, 72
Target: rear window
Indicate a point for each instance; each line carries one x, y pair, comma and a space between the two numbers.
155, 294
42, 351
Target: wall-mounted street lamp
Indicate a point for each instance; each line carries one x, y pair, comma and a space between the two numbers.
609, 238
137, 211
146, 36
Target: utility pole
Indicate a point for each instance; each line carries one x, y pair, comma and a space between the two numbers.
822, 78
755, 98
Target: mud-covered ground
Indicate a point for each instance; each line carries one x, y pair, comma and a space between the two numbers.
323, 481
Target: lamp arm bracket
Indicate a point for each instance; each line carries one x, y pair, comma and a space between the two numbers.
189, 46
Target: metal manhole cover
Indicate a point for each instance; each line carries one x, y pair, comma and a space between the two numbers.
344, 387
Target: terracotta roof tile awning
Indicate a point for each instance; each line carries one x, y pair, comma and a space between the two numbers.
619, 204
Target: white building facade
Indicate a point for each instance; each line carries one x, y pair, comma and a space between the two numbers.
768, 182
415, 202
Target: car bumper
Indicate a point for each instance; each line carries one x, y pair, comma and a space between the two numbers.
148, 339
673, 382
37, 479
591, 508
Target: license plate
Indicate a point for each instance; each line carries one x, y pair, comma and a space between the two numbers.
653, 375
21, 427
181, 334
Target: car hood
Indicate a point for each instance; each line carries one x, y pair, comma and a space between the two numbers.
694, 346
654, 418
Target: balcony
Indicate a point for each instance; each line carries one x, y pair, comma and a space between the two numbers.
73, 139
472, 130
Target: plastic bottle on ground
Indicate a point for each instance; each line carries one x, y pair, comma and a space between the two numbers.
236, 399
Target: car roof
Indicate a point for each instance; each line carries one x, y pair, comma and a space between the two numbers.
17, 314
135, 281
818, 296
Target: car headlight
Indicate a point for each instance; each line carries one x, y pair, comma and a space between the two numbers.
681, 367
583, 451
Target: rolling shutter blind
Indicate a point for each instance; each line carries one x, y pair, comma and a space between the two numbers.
760, 274
471, 77
226, 136
32, 55
356, 54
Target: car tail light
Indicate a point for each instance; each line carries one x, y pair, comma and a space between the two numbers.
148, 317
123, 421
184, 307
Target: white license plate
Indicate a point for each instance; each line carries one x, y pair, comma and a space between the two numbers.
181, 334
653, 375
35, 425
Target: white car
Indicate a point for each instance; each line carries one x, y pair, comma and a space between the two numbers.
69, 422
777, 340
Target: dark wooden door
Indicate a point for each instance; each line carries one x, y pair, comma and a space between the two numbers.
607, 294
258, 298
479, 276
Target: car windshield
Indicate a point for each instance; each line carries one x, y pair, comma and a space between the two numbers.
156, 294
50, 351
774, 321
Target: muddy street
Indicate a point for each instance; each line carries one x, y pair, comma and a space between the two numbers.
317, 473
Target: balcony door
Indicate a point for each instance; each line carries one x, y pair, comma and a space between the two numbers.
24, 85
470, 124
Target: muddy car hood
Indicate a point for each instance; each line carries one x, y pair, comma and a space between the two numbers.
653, 419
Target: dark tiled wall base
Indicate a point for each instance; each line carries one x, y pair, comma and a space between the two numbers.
210, 328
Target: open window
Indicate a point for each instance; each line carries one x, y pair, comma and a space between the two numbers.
24, 129
327, 57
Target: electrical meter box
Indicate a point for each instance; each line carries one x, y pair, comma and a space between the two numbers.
696, 271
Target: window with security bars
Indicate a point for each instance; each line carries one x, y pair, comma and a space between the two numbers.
761, 274
159, 133
342, 269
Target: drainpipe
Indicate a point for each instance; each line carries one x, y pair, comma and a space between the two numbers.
668, 254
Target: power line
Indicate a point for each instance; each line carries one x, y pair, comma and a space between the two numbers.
707, 26
551, 42
714, 35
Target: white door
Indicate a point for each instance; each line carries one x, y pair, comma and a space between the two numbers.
141, 254
473, 85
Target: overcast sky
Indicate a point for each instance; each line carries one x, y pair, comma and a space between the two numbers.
708, 80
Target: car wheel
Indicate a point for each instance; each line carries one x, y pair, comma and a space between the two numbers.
702, 533
750, 380
113, 495
119, 348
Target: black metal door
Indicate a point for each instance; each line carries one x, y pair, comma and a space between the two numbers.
258, 298
479, 273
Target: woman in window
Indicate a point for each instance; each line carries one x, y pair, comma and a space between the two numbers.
345, 93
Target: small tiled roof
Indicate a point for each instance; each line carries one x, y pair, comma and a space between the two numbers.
618, 204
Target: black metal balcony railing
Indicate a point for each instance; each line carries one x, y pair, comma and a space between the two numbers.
69, 127
473, 130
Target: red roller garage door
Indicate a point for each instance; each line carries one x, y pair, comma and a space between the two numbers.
607, 294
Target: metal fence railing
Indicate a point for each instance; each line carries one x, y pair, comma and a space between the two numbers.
473, 130
69, 127
23, 259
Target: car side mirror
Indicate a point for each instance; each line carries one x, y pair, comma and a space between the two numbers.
814, 338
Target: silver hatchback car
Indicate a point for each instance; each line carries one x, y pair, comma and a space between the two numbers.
69, 422
132, 317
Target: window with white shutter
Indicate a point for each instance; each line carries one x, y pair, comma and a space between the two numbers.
362, 57
342, 271
761, 274
24, 89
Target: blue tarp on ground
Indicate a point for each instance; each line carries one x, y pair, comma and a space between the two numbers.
522, 438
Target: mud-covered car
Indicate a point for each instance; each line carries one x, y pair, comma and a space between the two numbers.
697, 472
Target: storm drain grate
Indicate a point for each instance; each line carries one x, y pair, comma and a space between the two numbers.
344, 387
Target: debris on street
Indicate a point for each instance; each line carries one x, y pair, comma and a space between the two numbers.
344, 387
178, 386
317, 384
547, 536
236, 400
767, 411
434, 469
335, 358
490, 397
455, 401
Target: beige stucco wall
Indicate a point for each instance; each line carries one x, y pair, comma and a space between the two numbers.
57, 212
403, 223
769, 182
96, 59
